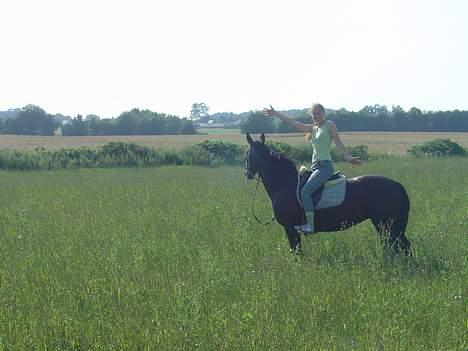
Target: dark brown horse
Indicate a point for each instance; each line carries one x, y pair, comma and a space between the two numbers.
380, 199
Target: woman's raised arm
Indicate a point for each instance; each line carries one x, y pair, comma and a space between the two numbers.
302, 127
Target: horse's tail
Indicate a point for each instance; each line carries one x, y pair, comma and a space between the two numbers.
402, 221
404, 211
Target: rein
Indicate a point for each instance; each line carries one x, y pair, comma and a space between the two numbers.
253, 209
260, 177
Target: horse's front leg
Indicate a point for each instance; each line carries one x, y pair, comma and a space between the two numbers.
294, 240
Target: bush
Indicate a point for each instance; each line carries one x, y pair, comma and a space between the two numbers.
196, 156
360, 151
227, 153
298, 154
303, 153
438, 147
19, 160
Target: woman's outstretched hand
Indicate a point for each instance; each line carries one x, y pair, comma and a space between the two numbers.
355, 161
269, 111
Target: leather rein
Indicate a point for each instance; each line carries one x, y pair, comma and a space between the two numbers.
253, 209
254, 195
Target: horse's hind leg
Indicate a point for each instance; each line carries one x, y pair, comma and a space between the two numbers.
397, 234
392, 235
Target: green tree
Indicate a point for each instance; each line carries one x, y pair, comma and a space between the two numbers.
107, 126
286, 128
151, 125
374, 117
414, 111
77, 127
187, 127
93, 124
257, 122
10, 126
172, 125
416, 120
199, 111
127, 122
399, 118
33, 120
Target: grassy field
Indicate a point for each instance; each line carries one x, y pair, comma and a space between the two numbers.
172, 259
378, 142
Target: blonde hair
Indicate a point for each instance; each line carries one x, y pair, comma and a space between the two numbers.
316, 105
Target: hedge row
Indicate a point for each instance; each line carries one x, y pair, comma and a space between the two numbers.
207, 153
119, 154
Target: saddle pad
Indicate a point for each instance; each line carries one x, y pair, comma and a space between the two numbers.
332, 193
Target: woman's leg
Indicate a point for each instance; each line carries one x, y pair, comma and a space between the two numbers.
319, 176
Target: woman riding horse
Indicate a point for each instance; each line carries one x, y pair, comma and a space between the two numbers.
320, 133
380, 199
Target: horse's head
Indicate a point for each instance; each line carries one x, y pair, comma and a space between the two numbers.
255, 156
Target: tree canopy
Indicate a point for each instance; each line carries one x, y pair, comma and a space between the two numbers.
257, 122
199, 111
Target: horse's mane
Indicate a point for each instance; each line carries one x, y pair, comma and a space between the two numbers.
286, 163
281, 157
281, 161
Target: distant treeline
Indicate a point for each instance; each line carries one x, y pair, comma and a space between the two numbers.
379, 118
33, 120
370, 118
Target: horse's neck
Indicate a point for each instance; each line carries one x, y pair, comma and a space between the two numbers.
275, 177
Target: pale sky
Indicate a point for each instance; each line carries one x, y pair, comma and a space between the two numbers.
106, 57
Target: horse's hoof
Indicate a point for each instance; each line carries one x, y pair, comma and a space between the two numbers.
297, 252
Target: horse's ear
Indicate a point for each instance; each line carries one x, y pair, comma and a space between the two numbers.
249, 139
262, 138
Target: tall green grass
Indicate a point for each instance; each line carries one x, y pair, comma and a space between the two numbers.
172, 259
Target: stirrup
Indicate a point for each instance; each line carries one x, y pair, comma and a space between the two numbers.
305, 228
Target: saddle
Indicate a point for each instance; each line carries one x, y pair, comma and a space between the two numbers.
335, 188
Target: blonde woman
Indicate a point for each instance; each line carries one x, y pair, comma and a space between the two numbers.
320, 133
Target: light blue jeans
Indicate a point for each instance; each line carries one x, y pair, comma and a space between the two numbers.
321, 171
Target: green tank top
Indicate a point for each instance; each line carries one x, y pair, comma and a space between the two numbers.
321, 143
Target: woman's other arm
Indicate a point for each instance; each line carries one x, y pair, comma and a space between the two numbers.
340, 145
